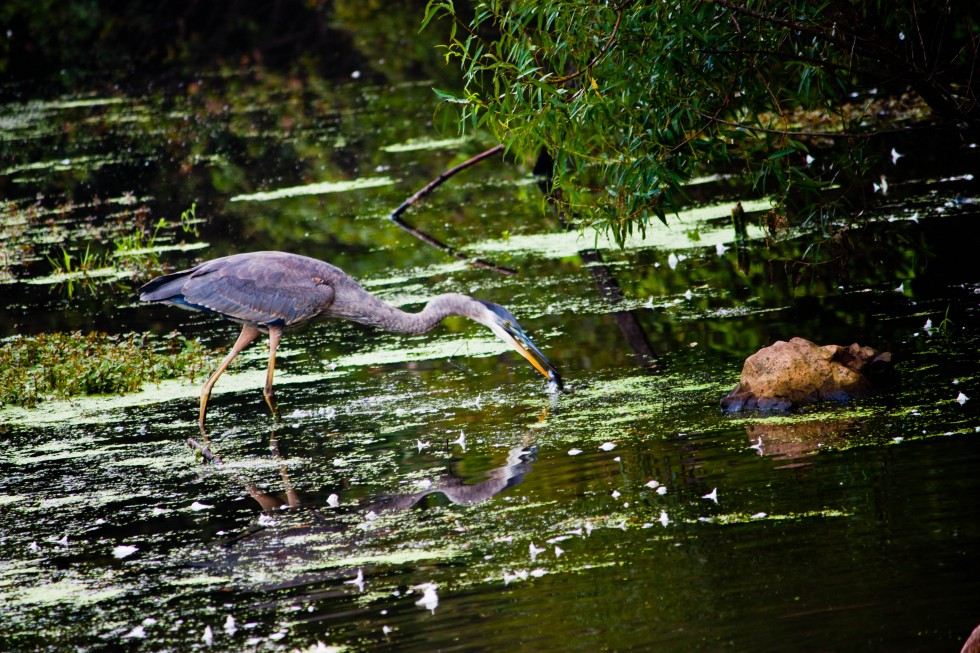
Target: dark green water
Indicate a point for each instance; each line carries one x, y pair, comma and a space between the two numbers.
572, 522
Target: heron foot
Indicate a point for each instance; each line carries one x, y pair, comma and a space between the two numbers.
270, 399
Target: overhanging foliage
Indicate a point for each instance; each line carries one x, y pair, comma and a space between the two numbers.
632, 99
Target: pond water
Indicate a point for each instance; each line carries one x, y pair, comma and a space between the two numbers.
428, 492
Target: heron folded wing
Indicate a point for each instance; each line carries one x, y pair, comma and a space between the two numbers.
268, 295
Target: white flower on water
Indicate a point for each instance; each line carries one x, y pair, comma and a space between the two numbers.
607, 446
333, 501
122, 551
652, 484
664, 519
230, 626
208, 637
961, 399
197, 505
574, 452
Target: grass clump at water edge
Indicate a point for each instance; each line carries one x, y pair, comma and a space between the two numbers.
63, 365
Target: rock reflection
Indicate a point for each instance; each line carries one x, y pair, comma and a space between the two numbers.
794, 442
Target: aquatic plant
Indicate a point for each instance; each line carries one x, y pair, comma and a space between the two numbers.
61, 365
87, 261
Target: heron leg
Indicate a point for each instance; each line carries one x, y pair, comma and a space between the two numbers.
248, 334
275, 333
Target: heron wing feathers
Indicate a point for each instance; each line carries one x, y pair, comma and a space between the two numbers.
261, 289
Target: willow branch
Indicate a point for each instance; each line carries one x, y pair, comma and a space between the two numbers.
600, 55
395, 215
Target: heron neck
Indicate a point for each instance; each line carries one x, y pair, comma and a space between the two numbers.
438, 308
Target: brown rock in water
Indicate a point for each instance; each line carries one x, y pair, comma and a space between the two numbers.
798, 372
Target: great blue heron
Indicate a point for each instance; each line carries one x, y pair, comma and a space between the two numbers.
270, 292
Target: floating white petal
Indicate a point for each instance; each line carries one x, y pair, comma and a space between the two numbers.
534, 551
961, 398
574, 452
357, 580
122, 551
429, 599
138, 632
333, 501
713, 495
607, 446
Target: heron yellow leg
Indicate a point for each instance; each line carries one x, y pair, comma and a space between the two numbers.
248, 334
270, 397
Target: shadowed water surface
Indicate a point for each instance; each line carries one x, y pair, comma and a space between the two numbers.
428, 492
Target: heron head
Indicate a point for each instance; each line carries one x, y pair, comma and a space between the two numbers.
503, 323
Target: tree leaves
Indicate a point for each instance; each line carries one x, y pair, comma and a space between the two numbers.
633, 98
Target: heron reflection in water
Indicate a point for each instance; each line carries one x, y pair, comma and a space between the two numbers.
272, 292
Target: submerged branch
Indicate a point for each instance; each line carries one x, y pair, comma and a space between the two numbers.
395, 215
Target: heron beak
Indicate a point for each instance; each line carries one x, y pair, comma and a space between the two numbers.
516, 338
